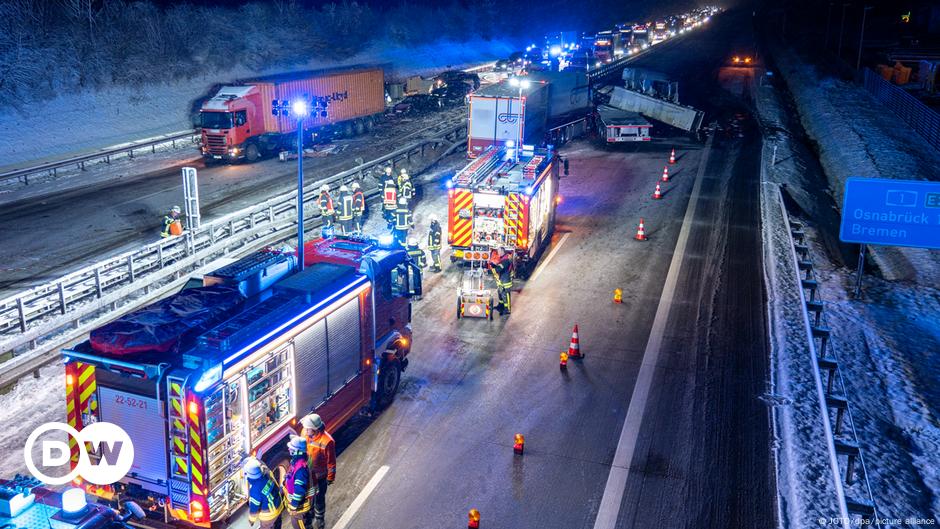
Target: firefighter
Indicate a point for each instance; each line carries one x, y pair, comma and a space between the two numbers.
416, 253
389, 196
326, 205
321, 461
264, 496
402, 221
344, 210
502, 272
298, 488
434, 243
406, 188
402, 176
358, 207
169, 220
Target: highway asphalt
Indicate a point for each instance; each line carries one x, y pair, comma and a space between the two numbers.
698, 437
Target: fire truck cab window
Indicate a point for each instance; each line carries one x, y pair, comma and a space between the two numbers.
399, 280
269, 392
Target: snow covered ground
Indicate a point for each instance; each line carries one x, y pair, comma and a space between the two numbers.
887, 343
857, 136
78, 122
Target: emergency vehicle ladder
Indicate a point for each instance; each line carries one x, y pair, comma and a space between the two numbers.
179, 443
480, 167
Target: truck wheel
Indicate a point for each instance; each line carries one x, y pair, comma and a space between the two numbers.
389, 379
251, 153
360, 127
369, 124
348, 130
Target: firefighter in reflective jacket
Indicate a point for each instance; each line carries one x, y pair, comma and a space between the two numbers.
502, 272
389, 197
298, 488
344, 211
434, 243
326, 205
402, 221
321, 461
405, 188
416, 253
171, 223
358, 206
264, 496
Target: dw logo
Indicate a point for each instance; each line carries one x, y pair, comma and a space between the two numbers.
108, 440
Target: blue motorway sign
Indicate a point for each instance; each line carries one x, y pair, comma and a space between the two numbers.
891, 212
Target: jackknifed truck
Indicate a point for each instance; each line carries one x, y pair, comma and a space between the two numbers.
217, 372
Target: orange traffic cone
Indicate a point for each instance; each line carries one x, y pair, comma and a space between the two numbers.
473, 521
665, 173
519, 445
563, 361
658, 194
672, 157
640, 233
618, 295
574, 349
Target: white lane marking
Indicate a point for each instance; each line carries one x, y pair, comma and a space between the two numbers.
361, 498
620, 468
550, 255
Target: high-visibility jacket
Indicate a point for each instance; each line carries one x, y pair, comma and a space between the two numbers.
502, 272
264, 499
358, 203
297, 487
402, 217
345, 209
434, 236
326, 203
417, 255
407, 189
389, 194
321, 456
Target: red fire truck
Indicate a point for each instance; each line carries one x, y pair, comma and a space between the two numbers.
214, 373
504, 198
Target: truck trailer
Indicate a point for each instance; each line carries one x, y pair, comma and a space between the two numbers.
212, 374
553, 100
616, 126
239, 123
506, 198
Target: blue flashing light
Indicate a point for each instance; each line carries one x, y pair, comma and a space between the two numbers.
327, 232
554, 50
386, 240
449, 183
208, 378
529, 190
349, 288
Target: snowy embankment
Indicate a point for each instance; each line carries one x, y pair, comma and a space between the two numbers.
857, 136
887, 343
78, 122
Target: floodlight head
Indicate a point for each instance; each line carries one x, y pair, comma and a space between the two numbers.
299, 108
514, 81
524, 84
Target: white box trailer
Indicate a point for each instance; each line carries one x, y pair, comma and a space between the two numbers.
616, 125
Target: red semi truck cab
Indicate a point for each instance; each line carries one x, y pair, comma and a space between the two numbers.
238, 122
206, 377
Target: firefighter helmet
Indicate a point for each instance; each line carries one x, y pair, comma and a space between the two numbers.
403, 201
297, 445
324, 187
176, 209
312, 422
355, 186
388, 170
343, 189
252, 468
412, 242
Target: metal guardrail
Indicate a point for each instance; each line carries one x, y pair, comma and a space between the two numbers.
22, 175
36, 320
842, 439
923, 119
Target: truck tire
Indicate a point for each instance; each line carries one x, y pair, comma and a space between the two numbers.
389, 379
348, 129
369, 124
360, 127
252, 153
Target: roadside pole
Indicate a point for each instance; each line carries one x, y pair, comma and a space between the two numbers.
860, 271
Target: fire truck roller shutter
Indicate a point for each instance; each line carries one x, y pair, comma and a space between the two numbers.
310, 354
142, 419
461, 218
342, 328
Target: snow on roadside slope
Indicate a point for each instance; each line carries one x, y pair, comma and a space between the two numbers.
858, 136
78, 122
886, 344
